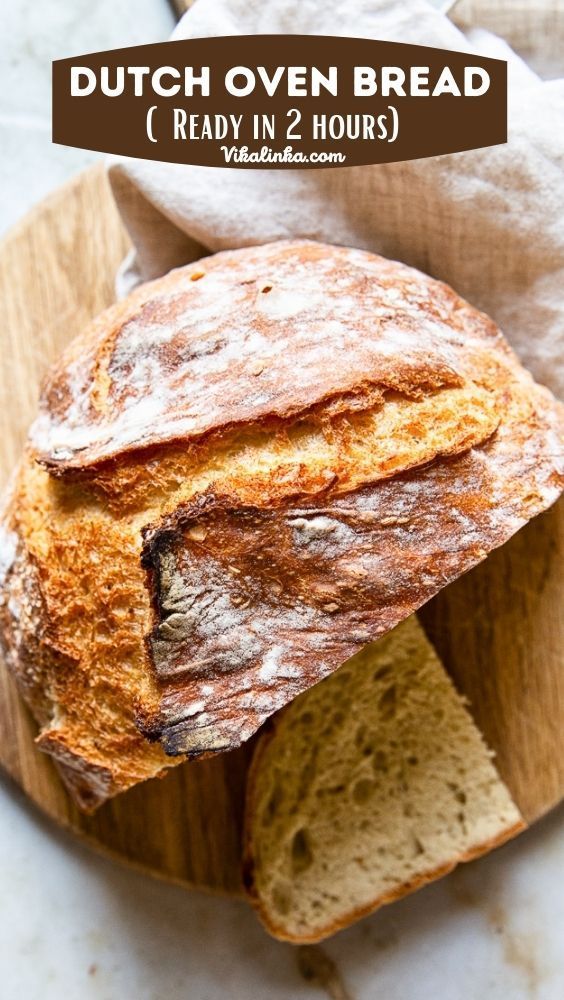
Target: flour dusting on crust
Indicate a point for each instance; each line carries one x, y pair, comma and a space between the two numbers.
240, 475
254, 605
190, 357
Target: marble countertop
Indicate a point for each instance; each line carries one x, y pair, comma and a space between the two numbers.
77, 925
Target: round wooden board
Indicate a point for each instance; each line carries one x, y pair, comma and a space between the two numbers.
499, 630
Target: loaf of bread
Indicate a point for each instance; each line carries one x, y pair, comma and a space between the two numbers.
238, 477
366, 787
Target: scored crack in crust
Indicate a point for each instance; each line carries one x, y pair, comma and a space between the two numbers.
238, 476
253, 605
261, 334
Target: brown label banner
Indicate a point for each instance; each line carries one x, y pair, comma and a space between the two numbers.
279, 101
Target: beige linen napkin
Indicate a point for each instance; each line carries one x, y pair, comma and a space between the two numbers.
490, 222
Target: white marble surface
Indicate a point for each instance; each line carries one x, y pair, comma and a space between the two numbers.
32, 34
76, 925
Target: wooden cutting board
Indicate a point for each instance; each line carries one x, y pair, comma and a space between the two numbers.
500, 629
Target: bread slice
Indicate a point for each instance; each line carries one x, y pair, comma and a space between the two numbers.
366, 787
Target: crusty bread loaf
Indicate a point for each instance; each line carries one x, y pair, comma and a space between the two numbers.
238, 477
367, 786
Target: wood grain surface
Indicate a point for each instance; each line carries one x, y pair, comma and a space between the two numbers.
500, 629
57, 269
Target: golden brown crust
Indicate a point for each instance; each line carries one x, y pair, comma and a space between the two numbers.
254, 605
72, 619
352, 383
23, 626
263, 335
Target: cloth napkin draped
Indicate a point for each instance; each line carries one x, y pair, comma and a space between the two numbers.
490, 222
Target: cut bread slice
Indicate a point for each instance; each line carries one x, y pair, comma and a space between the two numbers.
367, 786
